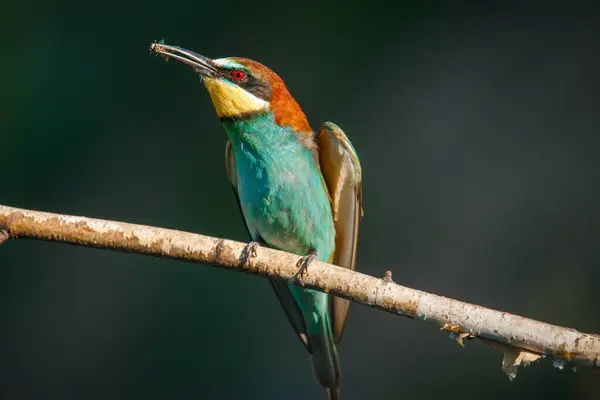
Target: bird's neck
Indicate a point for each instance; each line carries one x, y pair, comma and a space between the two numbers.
261, 139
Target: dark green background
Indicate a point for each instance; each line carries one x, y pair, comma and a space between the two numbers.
477, 129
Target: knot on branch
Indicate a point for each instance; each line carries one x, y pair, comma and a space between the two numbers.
5, 230
387, 278
4, 236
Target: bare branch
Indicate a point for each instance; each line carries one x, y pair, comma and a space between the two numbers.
522, 340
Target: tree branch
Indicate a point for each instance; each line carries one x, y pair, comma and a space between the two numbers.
521, 339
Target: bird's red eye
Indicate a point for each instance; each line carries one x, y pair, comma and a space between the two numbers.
238, 75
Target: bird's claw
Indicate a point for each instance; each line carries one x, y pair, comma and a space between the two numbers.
248, 253
303, 264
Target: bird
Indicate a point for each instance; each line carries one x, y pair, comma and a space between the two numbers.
298, 191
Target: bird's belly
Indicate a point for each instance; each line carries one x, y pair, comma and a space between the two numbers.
291, 216
275, 231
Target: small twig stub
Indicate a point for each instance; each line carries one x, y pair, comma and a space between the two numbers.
387, 278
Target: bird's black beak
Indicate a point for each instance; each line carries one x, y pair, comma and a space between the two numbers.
202, 65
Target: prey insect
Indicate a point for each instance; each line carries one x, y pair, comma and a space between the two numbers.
156, 47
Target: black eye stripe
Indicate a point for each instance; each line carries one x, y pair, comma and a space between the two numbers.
250, 83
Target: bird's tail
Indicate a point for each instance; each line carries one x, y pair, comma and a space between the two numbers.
333, 393
324, 357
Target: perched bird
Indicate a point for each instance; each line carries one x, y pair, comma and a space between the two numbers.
298, 192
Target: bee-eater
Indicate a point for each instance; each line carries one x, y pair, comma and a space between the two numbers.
298, 192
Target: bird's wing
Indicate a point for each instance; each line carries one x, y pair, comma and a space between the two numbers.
282, 291
343, 176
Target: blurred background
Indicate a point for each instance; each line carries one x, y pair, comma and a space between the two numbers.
477, 128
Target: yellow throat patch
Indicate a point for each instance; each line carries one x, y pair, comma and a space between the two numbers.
230, 100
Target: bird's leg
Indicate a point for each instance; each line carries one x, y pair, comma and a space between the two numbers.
304, 262
248, 253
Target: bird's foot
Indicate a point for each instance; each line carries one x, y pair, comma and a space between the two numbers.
248, 253
304, 262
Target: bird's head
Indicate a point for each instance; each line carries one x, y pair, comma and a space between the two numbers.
241, 88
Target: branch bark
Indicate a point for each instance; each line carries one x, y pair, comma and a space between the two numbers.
522, 340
